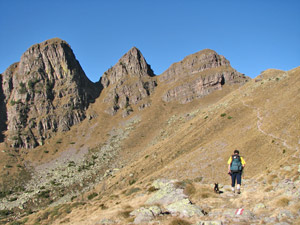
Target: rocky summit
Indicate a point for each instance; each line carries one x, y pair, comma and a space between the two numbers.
198, 75
46, 92
140, 148
128, 83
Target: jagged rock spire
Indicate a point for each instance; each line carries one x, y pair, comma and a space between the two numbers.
130, 81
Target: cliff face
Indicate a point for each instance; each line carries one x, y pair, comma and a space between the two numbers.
128, 83
46, 92
3, 115
198, 75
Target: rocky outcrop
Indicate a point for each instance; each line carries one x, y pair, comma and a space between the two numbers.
3, 115
198, 75
128, 83
46, 92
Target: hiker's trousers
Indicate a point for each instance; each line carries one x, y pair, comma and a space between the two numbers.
236, 177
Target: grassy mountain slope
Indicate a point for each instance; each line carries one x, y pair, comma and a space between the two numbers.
169, 140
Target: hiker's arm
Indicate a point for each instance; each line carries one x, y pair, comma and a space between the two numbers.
229, 162
243, 162
229, 168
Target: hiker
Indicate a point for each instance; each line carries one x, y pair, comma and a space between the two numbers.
236, 164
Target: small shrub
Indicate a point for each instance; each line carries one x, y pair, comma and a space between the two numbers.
13, 199
125, 214
92, 195
132, 181
44, 194
103, 207
22, 89
132, 190
277, 78
71, 163
205, 117
73, 143
198, 179
229, 117
179, 222
223, 114
5, 212
152, 189
46, 151
283, 151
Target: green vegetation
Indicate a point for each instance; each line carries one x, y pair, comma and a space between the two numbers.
44, 194
31, 84
205, 117
152, 189
46, 151
22, 89
12, 199
5, 212
71, 163
132, 181
131, 191
92, 195
13, 102
223, 114
229, 117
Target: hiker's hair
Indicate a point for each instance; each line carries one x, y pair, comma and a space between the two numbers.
236, 151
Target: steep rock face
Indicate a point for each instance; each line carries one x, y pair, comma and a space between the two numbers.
3, 115
198, 75
46, 92
128, 83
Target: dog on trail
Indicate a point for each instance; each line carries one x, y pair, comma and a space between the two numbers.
216, 188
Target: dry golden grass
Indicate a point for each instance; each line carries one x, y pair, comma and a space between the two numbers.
272, 178
282, 201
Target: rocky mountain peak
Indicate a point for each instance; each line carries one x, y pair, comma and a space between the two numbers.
132, 64
47, 91
128, 82
198, 75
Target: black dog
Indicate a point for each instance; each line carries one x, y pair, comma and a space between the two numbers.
216, 188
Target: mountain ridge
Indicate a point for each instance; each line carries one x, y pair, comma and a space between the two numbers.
104, 168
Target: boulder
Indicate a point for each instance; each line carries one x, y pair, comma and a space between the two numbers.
144, 215
184, 208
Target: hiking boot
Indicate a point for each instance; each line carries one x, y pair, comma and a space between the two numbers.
238, 191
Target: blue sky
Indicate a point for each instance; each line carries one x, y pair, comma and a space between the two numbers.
253, 35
